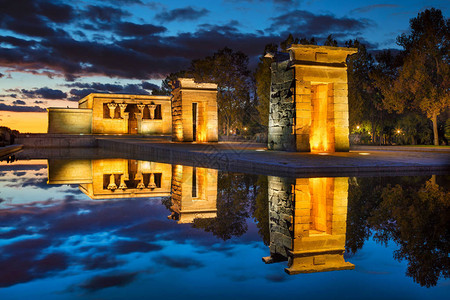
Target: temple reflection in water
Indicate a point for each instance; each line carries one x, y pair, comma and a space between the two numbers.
307, 219
307, 216
193, 191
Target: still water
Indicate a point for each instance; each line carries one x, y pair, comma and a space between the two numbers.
129, 229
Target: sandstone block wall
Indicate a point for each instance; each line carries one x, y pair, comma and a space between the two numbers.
185, 93
308, 100
185, 205
282, 108
69, 120
307, 221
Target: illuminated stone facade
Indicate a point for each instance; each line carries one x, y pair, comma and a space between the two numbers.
194, 193
113, 178
309, 100
307, 219
114, 114
194, 111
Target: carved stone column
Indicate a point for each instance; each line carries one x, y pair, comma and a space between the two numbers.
112, 107
152, 108
139, 121
151, 183
122, 107
141, 108
122, 185
139, 177
112, 184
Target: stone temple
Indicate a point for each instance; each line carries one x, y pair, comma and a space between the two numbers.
190, 114
308, 100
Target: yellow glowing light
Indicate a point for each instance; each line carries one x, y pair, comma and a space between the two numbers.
231, 131
245, 128
319, 134
364, 153
323, 153
398, 131
260, 150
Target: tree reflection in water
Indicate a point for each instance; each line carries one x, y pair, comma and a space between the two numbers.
235, 197
418, 221
412, 213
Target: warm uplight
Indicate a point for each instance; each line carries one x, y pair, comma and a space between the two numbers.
398, 131
319, 138
245, 128
231, 131
323, 153
260, 150
357, 127
363, 153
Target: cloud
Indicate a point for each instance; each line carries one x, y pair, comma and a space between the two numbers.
369, 8
17, 42
45, 93
97, 262
105, 281
104, 14
287, 3
308, 24
80, 90
125, 247
186, 263
34, 18
149, 86
19, 102
122, 2
181, 14
132, 29
5, 107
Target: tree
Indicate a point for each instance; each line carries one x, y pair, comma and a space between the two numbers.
262, 79
229, 69
330, 41
364, 98
423, 82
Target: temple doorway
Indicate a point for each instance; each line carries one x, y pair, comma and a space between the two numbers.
194, 121
132, 119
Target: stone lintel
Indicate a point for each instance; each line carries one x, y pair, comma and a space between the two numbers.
320, 54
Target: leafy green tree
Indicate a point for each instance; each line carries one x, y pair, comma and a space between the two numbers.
423, 82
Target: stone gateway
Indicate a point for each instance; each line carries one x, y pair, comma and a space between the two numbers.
308, 100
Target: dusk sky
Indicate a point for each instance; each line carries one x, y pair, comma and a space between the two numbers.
52, 53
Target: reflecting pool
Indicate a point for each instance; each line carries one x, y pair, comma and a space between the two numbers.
129, 229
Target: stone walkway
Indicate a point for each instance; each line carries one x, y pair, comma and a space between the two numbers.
254, 158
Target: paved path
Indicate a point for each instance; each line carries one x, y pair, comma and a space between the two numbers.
254, 158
